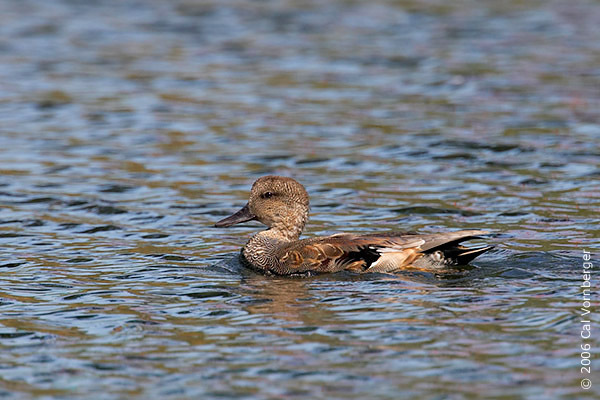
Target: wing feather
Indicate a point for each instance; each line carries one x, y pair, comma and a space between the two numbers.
379, 252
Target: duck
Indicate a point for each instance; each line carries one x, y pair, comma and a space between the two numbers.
282, 204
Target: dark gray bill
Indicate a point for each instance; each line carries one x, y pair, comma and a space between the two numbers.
241, 216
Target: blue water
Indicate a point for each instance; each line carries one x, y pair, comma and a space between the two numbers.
128, 128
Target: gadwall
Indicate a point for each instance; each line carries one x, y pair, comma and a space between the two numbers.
282, 204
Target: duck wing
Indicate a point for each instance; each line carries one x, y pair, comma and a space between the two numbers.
379, 252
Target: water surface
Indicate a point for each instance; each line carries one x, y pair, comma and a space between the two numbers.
128, 128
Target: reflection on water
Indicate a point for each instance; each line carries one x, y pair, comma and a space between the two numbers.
127, 129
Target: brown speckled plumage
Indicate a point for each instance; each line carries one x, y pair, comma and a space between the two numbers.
282, 204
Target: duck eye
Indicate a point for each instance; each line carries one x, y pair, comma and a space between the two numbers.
267, 195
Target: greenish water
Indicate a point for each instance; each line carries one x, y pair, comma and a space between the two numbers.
127, 128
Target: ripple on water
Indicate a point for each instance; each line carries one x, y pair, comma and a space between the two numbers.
128, 129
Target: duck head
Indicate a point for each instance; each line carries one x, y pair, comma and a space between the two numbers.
278, 202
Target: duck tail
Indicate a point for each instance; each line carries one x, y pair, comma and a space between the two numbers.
464, 255
446, 248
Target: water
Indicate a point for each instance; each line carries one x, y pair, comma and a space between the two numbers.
128, 128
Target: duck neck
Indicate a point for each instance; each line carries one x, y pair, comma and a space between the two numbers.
262, 247
290, 228
288, 233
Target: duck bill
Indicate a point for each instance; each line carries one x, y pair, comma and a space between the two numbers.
241, 216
